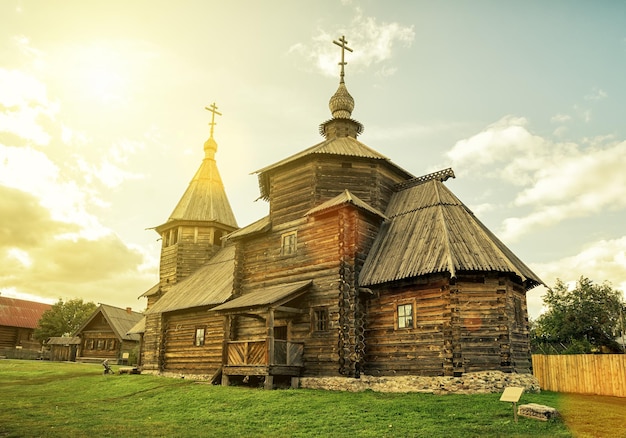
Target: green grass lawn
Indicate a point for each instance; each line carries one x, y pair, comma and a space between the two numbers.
76, 400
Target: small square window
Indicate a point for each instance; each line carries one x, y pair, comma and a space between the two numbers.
199, 338
289, 242
320, 320
405, 316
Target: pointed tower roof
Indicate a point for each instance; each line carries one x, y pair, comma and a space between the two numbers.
429, 231
205, 198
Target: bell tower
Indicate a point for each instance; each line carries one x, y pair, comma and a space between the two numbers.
194, 230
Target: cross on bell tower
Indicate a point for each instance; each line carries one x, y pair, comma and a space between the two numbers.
343, 43
213, 110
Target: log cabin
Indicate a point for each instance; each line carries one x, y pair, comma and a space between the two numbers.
18, 320
359, 267
104, 335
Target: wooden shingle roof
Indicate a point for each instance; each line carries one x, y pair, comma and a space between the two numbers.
345, 197
120, 321
273, 295
343, 146
260, 226
429, 231
63, 340
205, 199
211, 284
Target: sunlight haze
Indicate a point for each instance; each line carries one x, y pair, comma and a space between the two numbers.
102, 123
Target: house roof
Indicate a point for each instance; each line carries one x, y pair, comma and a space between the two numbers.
120, 321
346, 197
211, 284
262, 225
152, 291
343, 146
138, 328
205, 198
63, 340
21, 313
274, 295
429, 231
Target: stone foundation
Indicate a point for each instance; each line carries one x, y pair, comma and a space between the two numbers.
470, 383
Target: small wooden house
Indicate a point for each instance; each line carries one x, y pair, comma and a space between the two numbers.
62, 348
18, 320
360, 267
105, 335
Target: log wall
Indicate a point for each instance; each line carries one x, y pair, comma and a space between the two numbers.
180, 352
403, 351
328, 246
476, 323
294, 192
192, 248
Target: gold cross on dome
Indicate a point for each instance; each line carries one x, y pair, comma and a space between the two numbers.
213, 110
343, 43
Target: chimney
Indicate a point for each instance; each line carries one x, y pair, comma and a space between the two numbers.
129, 310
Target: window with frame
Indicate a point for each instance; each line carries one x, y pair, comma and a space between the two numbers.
100, 345
405, 315
289, 242
320, 319
199, 337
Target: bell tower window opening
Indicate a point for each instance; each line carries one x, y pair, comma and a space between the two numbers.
217, 237
173, 236
289, 243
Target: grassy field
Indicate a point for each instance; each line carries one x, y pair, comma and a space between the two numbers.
76, 400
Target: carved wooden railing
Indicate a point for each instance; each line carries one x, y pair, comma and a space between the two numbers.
257, 352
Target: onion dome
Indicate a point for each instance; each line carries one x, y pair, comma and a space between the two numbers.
342, 103
210, 148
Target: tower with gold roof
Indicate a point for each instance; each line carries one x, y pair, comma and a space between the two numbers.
193, 232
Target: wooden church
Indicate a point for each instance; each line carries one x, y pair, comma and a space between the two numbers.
359, 267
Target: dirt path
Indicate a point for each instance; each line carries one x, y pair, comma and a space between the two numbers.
594, 415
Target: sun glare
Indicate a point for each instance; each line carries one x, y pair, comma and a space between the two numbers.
101, 72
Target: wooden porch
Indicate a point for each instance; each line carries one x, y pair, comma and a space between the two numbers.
263, 357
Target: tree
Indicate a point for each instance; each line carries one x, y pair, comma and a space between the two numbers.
584, 319
63, 319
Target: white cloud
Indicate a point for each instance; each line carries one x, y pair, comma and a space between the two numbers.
373, 44
23, 99
557, 180
561, 118
604, 260
596, 94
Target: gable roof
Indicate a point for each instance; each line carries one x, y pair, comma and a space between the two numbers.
273, 295
211, 284
430, 230
21, 313
343, 146
120, 321
345, 197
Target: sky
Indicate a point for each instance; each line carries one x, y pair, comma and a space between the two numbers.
103, 121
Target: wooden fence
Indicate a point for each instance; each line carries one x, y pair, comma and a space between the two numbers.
600, 374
